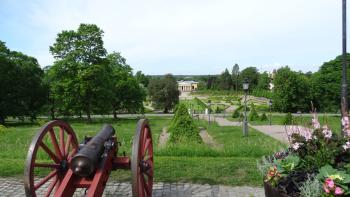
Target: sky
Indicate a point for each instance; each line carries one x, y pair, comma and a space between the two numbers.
185, 36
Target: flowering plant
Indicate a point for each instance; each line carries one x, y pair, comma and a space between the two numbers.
314, 153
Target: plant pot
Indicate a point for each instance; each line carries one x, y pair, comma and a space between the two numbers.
271, 191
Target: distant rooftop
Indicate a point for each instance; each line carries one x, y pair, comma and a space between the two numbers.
186, 82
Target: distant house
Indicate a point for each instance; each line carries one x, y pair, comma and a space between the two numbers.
187, 86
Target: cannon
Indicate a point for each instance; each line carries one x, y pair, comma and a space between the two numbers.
57, 165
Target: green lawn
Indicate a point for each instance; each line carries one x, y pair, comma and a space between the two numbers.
232, 162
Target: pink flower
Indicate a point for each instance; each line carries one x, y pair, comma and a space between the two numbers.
327, 133
315, 122
329, 183
346, 146
296, 145
325, 188
338, 191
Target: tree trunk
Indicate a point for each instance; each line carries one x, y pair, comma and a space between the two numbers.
88, 112
2, 120
52, 111
115, 114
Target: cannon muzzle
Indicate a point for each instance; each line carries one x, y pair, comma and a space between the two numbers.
84, 163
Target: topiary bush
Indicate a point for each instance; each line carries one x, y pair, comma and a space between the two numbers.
263, 117
182, 127
253, 115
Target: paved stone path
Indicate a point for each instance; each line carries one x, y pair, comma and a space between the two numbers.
276, 131
14, 187
224, 122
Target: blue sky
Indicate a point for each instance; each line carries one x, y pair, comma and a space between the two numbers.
185, 36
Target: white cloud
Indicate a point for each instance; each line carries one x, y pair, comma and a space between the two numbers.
197, 37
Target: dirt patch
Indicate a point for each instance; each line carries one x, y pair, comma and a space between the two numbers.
208, 139
164, 137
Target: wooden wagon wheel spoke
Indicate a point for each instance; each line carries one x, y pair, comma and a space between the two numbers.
50, 153
52, 185
142, 160
58, 155
147, 144
46, 165
55, 144
45, 179
62, 145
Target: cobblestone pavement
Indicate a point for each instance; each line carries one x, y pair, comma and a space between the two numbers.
14, 187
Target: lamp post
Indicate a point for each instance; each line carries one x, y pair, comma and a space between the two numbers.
270, 106
344, 85
245, 122
209, 107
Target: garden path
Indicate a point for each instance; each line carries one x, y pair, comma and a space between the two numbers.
224, 122
164, 137
276, 131
208, 139
14, 187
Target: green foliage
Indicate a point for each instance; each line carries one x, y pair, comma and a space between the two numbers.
326, 84
288, 119
2, 128
291, 91
81, 78
262, 93
164, 92
235, 77
312, 187
289, 164
253, 115
263, 165
142, 78
241, 117
225, 81
339, 176
182, 128
128, 92
263, 81
22, 91
263, 117
252, 74
235, 114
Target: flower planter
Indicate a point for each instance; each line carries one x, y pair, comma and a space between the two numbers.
272, 191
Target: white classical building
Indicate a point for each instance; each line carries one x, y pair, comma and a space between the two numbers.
187, 86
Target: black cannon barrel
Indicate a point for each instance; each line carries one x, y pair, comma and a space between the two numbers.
85, 161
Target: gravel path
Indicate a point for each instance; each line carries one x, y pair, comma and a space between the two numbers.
276, 131
224, 122
14, 187
164, 137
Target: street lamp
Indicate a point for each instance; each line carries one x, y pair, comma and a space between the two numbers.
270, 106
245, 122
344, 85
209, 104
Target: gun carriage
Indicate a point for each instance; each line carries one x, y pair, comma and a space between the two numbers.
86, 165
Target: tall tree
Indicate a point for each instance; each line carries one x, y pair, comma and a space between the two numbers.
142, 78
264, 81
128, 95
82, 77
225, 80
326, 84
164, 92
235, 76
252, 75
291, 91
21, 89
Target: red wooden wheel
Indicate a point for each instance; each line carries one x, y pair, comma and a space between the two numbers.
142, 160
49, 157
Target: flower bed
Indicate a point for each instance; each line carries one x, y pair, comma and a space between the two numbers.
316, 163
